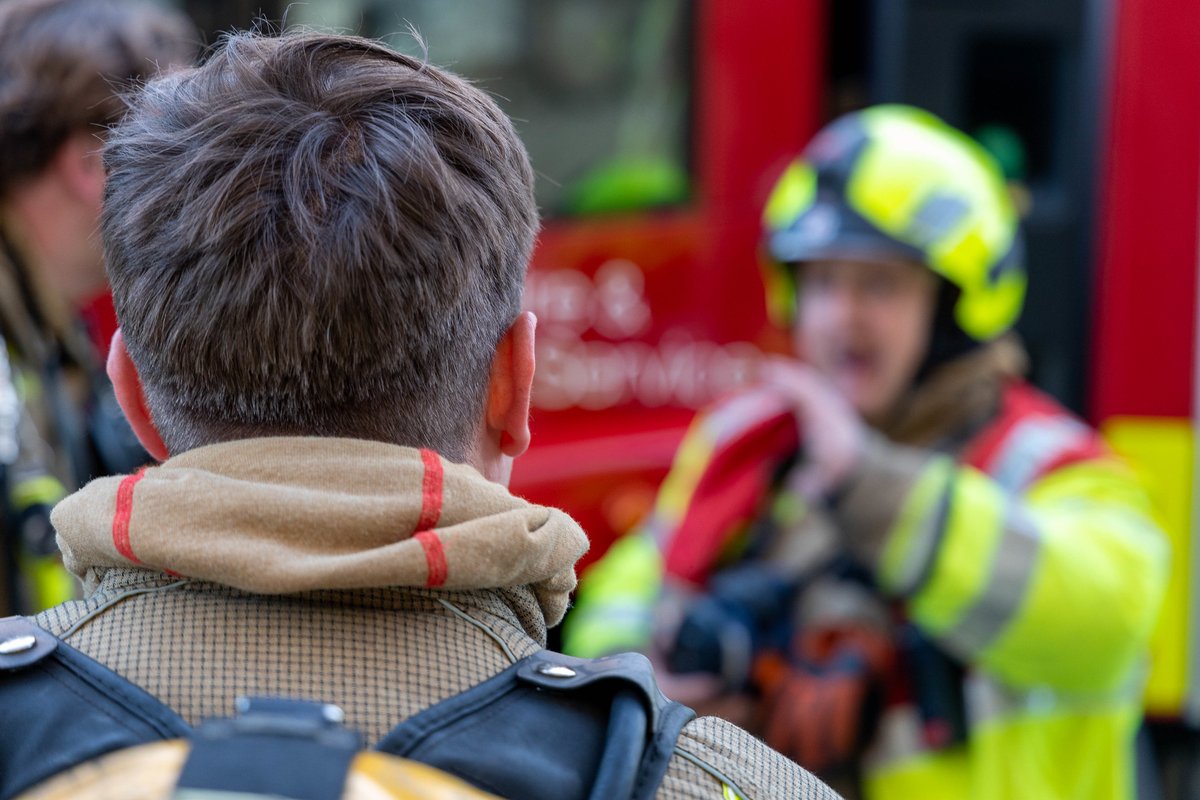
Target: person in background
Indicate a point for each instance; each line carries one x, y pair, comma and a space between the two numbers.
894, 559
64, 65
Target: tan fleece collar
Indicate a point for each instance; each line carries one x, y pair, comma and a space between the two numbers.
959, 397
283, 515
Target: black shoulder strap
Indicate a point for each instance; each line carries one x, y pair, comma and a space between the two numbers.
62, 708
552, 726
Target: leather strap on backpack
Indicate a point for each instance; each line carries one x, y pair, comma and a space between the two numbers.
552, 726
70, 708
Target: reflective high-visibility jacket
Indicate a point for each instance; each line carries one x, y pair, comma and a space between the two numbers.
31, 572
1032, 557
48, 450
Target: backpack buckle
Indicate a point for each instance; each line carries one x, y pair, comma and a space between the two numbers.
274, 747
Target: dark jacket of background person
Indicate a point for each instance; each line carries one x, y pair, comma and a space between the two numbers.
63, 67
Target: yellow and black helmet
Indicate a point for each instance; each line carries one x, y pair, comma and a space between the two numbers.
274, 749
896, 181
151, 772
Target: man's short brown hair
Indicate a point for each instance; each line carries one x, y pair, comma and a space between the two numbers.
316, 235
64, 64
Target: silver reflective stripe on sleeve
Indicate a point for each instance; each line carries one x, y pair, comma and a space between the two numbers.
1031, 447
1011, 573
918, 563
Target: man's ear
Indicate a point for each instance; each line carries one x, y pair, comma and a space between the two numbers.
510, 386
79, 164
127, 385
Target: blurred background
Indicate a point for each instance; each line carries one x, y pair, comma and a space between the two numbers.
657, 126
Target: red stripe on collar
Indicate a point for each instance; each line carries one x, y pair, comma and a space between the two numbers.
120, 525
431, 492
435, 559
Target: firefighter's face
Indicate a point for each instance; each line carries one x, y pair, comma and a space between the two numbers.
865, 325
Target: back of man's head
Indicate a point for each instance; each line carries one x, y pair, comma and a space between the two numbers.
63, 64
316, 235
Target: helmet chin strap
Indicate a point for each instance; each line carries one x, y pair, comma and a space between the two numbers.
947, 341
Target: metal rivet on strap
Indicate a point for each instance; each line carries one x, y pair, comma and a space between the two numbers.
556, 671
17, 644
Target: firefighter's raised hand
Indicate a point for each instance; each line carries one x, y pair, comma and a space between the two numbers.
833, 436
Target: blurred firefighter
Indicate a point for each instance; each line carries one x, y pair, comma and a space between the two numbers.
63, 65
896, 560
